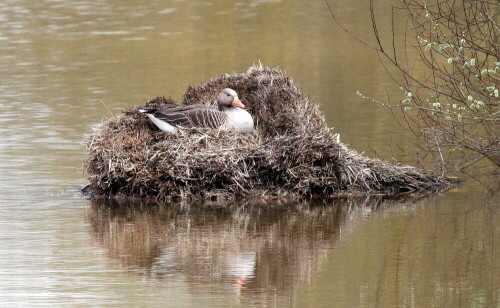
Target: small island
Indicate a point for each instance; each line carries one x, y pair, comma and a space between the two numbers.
292, 152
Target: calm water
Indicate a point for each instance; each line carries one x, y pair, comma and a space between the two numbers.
62, 61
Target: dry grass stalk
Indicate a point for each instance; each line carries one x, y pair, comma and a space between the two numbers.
292, 152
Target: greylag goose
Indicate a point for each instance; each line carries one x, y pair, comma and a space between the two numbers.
228, 114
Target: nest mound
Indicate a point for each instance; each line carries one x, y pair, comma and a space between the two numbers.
292, 152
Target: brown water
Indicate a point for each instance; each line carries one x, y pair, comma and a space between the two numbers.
62, 61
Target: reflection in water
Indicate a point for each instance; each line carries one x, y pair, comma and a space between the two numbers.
443, 252
266, 250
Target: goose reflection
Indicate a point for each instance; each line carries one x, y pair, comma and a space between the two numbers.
240, 267
267, 249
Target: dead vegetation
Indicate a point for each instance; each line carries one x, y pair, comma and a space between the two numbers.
292, 152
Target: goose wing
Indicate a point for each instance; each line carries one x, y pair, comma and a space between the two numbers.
188, 107
191, 116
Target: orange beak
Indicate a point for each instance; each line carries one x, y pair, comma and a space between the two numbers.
237, 103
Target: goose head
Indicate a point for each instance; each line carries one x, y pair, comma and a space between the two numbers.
228, 98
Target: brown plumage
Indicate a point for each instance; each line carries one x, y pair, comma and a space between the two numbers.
190, 116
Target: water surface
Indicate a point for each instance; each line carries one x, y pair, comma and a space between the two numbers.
67, 65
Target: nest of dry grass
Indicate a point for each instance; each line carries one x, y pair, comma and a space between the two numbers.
292, 152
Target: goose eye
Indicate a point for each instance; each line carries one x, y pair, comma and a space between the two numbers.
228, 95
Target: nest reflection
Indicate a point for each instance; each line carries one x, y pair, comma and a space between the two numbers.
265, 248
